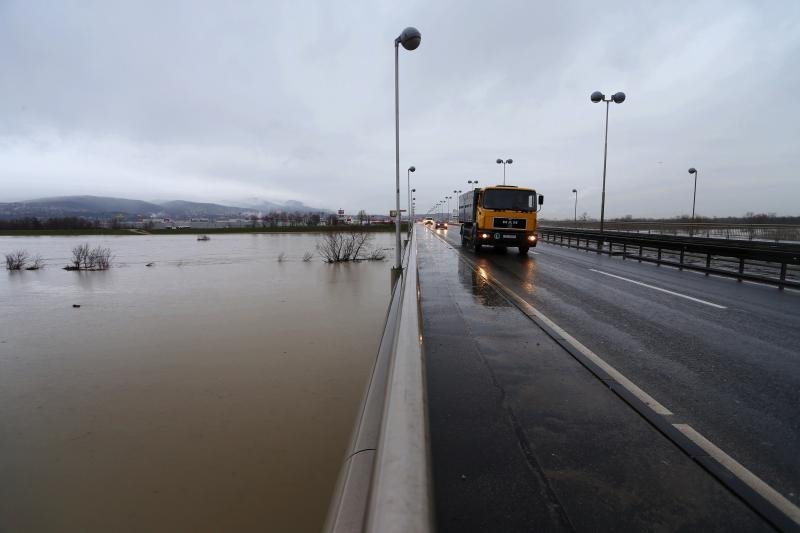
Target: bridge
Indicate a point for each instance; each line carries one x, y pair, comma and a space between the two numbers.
572, 390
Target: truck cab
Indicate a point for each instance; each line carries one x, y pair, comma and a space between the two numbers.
501, 216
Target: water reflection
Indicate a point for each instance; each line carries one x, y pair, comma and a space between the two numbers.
476, 280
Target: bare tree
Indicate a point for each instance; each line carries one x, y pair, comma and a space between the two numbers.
37, 263
307, 257
16, 260
100, 258
80, 256
85, 258
338, 247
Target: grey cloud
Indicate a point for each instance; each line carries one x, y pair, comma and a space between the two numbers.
213, 101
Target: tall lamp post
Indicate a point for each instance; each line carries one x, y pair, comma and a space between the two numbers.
504, 163
413, 204
473, 182
411, 169
617, 98
694, 198
410, 39
576, 204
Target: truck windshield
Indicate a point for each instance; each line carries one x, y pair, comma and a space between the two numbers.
514, 199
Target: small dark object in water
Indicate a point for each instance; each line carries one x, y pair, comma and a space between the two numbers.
76, 305
149, 264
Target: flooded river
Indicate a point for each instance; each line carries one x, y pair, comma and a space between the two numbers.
213, 391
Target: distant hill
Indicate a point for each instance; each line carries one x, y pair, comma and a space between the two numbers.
102, 207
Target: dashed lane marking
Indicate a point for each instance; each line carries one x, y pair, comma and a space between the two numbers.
692, 298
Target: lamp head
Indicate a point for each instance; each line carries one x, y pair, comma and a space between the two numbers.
618, 97
499, 161
509, 161
575, 191
597, 96
412, 168
410, 38
692, 170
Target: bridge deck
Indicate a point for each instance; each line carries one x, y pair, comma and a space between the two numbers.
524, 437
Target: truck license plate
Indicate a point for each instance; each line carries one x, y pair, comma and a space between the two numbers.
507, 236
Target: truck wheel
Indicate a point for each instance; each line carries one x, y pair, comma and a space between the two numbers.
463, 238
476, 246
523, 250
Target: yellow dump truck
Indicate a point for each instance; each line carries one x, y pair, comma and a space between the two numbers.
500, 216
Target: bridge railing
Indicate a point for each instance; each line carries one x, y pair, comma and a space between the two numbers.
384, 483
762, 232
766, 262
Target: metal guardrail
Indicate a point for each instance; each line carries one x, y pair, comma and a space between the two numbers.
763, 232
385, 484
777, 264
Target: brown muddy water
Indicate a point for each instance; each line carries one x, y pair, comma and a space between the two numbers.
213, 391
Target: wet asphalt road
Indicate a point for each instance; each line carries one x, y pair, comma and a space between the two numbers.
725, 361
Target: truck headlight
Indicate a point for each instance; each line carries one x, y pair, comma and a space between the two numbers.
532, 238
484, 235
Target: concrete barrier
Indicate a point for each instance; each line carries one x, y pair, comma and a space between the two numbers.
385, 484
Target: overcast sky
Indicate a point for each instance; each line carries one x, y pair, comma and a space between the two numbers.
222, 101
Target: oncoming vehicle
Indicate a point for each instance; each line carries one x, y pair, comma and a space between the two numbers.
427, 220
440, 224
500, 216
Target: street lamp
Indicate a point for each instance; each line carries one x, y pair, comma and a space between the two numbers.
411, 169
617, 98
576, 204
504, 163
694, 198
410, 39
413, 204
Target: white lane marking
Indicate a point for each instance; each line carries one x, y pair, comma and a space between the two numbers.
746, 476
698, 300
736, 469
596, 359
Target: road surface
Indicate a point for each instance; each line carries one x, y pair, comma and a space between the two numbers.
721, 357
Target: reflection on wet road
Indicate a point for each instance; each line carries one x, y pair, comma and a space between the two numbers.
524, 437
731, 370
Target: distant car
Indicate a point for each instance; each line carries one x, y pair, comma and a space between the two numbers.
428, 220
440, 224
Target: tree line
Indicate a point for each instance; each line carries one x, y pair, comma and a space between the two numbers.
49, 223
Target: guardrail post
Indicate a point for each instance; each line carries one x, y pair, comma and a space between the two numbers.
741, 265
708, 262
624, 250
683, 251
783, 276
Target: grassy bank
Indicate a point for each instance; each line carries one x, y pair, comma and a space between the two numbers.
194, 231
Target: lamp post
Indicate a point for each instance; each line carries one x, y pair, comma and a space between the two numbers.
413, 204
410, 39
411, 169
504, 163
576, 204
473, 182
617, 98
694, 198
